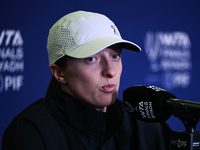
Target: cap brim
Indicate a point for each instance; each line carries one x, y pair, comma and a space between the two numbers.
90, 48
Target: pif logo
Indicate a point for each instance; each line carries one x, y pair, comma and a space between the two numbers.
11, 60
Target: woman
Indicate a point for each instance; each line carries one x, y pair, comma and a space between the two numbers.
81, 109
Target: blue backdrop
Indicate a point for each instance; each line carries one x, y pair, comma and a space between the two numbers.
167, 31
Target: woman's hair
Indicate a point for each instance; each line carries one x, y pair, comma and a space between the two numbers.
54, 85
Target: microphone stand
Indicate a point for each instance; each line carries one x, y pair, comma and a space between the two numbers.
189, 139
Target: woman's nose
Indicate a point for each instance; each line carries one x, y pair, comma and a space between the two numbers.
109, 70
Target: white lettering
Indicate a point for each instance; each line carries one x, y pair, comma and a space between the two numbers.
11, 59
176, 53
1, 83
181, 79
8, 82
166, 38
12, 66
146, 109
142, 113
168, 64
12, 53
2, 36
151, 110
180, 39
19, 53
17, 40
9, 34
13, 81
141, 109
141, 104
169, 52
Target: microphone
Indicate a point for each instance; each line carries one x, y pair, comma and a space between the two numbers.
153, 104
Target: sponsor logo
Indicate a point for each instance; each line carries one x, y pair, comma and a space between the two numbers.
179, 143
169, 56
146, 110
114, 30
11, 60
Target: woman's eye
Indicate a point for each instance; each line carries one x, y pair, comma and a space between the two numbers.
90, 59
116, 56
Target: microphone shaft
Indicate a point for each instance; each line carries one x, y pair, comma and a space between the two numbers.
182, 108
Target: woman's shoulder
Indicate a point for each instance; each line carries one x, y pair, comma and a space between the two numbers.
34, 122
36, 115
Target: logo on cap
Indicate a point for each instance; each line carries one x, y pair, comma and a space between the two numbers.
114, 29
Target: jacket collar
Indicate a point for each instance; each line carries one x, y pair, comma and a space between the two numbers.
88, 120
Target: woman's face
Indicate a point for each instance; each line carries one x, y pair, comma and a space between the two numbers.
94, 80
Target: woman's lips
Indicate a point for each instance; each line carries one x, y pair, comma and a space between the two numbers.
109, 88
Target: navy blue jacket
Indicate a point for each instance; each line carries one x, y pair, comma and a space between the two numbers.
65, 124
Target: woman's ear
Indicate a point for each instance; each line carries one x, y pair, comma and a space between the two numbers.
57, 73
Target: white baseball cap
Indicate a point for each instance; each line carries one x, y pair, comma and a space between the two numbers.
82, 34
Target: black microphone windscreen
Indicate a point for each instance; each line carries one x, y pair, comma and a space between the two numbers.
146, 103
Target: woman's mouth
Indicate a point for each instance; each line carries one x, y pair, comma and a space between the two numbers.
109, 88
